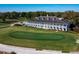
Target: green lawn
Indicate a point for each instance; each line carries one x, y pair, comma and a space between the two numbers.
3, 25
38, 38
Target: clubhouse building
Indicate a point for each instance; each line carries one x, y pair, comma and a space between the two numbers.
49, 22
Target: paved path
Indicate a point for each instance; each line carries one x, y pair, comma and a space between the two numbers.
22, 50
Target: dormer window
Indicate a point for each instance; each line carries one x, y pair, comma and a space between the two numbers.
44, 18
54, 24
64, 24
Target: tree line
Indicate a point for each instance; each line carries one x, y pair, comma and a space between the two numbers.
67, 15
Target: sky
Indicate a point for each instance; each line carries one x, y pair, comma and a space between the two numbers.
38, 7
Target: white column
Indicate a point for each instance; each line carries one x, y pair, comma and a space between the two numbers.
62, 28
56, 27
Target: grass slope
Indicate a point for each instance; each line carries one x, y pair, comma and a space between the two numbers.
3, 25
17, 36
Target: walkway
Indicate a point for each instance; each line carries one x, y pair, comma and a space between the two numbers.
22, 50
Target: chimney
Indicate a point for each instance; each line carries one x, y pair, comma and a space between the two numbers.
47, 17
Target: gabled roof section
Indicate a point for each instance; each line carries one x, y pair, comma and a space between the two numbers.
50, 19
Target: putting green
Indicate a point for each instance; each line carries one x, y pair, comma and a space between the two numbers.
36, 36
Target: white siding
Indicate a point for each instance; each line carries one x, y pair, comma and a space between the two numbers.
46, 26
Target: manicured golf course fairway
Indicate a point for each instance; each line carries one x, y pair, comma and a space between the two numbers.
38, 38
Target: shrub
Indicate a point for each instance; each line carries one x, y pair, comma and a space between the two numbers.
13, 52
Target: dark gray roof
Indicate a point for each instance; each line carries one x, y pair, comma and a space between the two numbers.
51, 19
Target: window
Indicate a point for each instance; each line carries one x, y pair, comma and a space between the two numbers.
41, 26
48, 26
50, 19
39, 18
64, 24
36, 25
64, 29
57, 28
44, 18
54, 18
60, 28
54, 27
51, 27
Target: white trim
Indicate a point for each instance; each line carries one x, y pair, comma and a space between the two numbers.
46, 26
